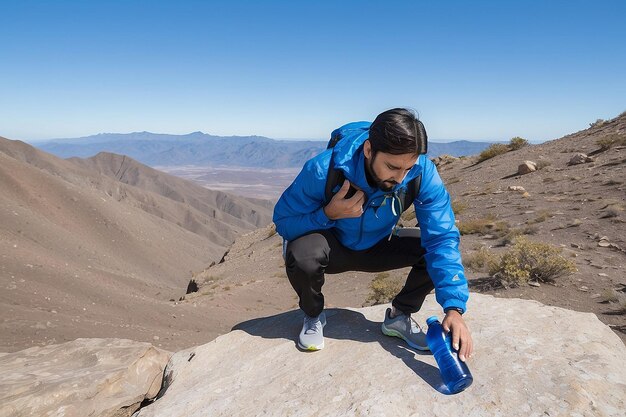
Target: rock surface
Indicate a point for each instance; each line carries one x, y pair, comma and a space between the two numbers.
85, 377
526, 168
530, 360
580, 158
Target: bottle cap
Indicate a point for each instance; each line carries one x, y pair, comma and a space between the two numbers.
431, 320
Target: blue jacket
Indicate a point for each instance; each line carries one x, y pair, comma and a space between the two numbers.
300, 210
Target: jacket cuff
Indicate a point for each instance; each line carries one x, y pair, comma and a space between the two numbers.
454, 304
322, 220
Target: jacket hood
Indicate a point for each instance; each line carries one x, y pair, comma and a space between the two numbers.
349, 157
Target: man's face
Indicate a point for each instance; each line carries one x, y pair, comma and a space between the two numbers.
386, 169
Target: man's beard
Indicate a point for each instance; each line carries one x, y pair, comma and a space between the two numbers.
378, 182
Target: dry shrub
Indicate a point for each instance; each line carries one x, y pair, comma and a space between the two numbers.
610, 295
614, 296
612, 210
542, 216
481, 261
542, 163
517, 143
484, 226
383, 288
514, 233
607, 142
493, 150
531, 261
459, 207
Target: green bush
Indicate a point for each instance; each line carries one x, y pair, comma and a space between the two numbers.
517, 143
531, 261
493, 150
383, 288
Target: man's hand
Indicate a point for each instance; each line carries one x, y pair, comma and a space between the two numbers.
341, 207
460, 334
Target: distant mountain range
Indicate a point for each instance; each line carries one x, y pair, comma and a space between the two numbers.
199, 148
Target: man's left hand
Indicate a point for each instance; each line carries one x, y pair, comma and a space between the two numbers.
461, 338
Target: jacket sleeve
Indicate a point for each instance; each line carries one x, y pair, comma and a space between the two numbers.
440, 239
300, 208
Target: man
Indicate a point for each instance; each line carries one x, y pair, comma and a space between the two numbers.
356, 232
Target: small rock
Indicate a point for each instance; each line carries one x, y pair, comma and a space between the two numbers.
584, 288
526, 168
517, 188
595, 296
534, 284
526, 194
156, 338
580, 158
604, 244
576, 245
602, 274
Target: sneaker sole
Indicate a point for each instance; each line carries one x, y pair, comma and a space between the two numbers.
395, 333
311, 348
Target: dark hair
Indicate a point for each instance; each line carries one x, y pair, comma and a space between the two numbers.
398, 131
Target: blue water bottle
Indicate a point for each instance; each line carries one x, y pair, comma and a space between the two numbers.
454, 372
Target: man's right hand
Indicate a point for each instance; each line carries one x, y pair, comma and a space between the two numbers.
341, 207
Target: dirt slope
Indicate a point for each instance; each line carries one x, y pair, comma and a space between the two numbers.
85, 255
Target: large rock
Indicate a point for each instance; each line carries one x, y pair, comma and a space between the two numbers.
580, 158
85, 377
526, 168
530, 360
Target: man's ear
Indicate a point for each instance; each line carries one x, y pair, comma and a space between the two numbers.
367, 149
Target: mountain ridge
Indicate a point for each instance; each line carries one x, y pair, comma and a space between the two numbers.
200, 149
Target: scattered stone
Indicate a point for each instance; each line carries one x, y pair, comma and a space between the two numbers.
580, 158
604, 244
526, 194
584, 288
534, 284
595, 296
155, 338
576, 245
526, 168
517, 188
602, 274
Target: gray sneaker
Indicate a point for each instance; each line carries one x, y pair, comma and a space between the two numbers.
404, 327
312, 334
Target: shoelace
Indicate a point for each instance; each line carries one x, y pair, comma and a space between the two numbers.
313, 325
415, 328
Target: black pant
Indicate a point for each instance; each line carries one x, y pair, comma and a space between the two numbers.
309, 257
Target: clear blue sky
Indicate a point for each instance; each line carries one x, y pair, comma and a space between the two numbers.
293, 69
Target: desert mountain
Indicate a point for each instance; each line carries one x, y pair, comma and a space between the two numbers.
200, 149
86, 253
